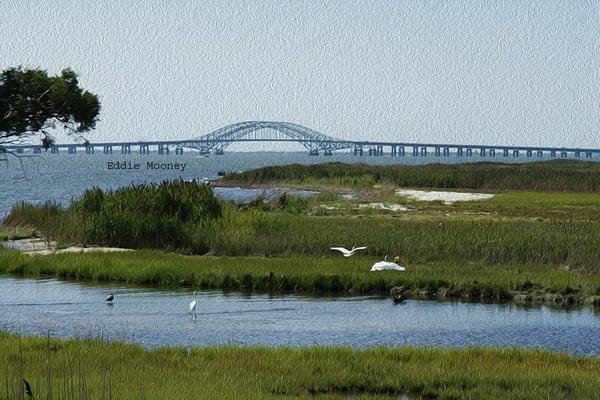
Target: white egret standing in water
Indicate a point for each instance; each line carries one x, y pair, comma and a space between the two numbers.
193, 306
346, 252
386, 265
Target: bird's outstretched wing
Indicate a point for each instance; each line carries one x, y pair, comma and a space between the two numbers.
341, 249
360, 248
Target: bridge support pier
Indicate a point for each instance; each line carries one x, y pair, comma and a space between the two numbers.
469, 152
515, 153
312, 152
492, 152
358, 151
107, 149
437, 151
53, 150
126, 149
529, 153
163, 149
482, 152
552, 153
401, 151
563, 154
459, 152
505, 152
89, 150
178, 150
72, 149
144, 149
446, 152
540, 153
327, 152
37, 150
588, 155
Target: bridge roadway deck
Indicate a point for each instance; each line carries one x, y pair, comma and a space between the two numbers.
347, 144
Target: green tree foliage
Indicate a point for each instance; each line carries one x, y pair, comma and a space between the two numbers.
31, 102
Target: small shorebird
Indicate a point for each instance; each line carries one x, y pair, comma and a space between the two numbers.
346, 252
110, 297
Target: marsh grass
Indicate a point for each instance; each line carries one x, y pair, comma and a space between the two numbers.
475, 281
283, 231
15, 233
555, 175
572, 243
49, 219
88, 369
170, 215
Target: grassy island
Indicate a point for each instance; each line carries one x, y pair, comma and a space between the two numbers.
532, 246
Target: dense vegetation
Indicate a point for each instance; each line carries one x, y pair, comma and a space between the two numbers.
170, 215
260, 233
83, 369
556, 175
31, 102
476, 281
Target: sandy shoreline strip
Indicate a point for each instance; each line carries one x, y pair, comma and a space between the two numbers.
445, 197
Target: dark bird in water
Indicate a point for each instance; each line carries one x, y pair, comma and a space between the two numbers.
398, 298
110, 298
27, 388
397, 295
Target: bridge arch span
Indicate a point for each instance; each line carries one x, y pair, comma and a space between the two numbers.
311, 139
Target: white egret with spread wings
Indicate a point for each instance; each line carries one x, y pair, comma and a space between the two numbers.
346, 252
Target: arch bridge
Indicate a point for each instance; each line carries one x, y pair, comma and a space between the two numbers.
267, 131
315, 142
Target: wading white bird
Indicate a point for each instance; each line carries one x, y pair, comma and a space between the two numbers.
193, 306
386, 265
346, 252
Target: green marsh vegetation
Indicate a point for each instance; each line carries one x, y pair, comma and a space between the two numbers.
554, 176
288, 238
170, 215
475, 281
139, 217
14, 233
81, 369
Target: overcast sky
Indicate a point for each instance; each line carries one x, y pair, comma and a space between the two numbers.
496, 72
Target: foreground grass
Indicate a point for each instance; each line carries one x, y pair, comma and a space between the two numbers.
310, 275
79, 369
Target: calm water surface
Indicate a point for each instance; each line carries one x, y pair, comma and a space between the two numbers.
153, 318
